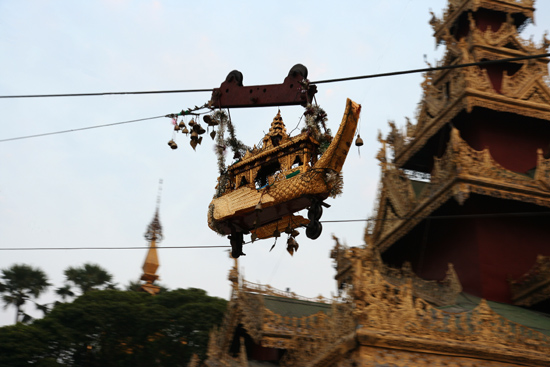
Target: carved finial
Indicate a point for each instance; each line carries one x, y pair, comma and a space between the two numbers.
277, 131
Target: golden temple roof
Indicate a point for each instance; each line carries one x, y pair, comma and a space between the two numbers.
274, 141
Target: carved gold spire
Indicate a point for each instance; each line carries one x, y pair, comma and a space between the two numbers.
277, 132
151, 264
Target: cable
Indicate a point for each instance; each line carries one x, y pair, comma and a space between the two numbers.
480, 63
411, 71
457, 216
107, 93
78, 129
102, 248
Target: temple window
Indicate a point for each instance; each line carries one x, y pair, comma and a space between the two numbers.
276, 140
265, 172
243, 181
297, 162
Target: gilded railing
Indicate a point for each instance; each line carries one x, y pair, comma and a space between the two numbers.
270, 291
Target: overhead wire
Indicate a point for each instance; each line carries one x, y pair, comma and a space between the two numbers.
79, 129
430, 69
378, 75
428, 217
104, 248
107, 93
451, 216
368, 76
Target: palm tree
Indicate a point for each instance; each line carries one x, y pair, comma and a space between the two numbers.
19, 284
86, 278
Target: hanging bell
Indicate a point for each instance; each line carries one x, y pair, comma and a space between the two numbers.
185, 131
359, 141
213, 134
199, 140
292, 246
277, 233
259, 207
182, 124
194, 135
172, 144
192, 122
177, 128
200, 129
193, 143
237, 155
209, 120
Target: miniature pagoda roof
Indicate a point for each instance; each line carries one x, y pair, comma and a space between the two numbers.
275, 141
277, 130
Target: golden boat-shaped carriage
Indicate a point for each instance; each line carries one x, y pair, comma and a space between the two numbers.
283, 176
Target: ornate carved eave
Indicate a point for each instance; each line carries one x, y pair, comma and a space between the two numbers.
440, 293
524, 93
391, 317
506, 42
534, 286
457, 7
459, 172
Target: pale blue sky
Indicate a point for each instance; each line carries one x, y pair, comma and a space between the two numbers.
98, 187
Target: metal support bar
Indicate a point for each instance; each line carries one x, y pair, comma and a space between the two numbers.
295, 90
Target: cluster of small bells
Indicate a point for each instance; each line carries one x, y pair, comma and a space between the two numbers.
195, 129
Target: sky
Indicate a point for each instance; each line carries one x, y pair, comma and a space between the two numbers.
98, 187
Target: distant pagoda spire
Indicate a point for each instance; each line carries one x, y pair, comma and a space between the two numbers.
151, 264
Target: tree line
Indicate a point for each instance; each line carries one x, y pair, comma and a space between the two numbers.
21, 284
96, 324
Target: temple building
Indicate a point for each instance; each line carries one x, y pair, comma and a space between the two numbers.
455, 269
